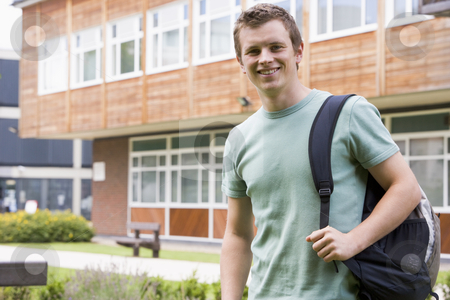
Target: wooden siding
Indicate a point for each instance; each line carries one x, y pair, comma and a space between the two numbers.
86, 13
119, 8
431, 72
52, 113
216, 87
86, 108
189, 222
156, 3
56, 10
167, 97
141, 214
220, 222
123, 102
345, 65
445, 233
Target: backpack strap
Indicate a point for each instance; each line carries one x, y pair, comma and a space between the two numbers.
320, 139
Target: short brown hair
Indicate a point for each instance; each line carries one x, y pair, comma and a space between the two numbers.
260, 14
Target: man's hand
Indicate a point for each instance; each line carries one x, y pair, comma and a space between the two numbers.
331, 244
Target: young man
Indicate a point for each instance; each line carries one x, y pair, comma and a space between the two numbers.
267, 175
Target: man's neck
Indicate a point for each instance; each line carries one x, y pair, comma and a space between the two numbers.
284, 99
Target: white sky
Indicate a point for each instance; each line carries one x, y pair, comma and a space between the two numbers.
8, 14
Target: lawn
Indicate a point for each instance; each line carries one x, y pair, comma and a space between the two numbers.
123, 251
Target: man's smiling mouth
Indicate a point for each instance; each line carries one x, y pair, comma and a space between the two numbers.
268, 72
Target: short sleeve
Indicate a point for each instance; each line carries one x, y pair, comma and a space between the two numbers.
232, 184
370, 141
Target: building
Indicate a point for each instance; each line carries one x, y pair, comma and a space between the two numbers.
155, 85
56, 173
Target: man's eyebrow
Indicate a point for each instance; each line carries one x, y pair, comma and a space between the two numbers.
272, 43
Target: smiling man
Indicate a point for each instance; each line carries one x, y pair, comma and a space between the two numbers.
266, 175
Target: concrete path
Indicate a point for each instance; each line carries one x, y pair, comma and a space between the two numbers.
168, 269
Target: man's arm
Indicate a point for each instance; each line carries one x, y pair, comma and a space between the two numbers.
401, 197
236, 256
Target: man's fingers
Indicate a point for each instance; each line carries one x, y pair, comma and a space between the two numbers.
315, 235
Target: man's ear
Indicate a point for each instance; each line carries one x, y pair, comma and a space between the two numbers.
240, 64
299, 54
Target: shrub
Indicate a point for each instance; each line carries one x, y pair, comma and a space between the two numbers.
43, 227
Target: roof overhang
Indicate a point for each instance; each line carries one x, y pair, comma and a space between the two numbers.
225, 121
25, 3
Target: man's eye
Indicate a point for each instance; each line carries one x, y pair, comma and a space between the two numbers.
276, 47
254, 51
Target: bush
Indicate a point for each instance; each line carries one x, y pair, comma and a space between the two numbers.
44, 227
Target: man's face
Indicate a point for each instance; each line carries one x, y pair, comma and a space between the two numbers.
268, 57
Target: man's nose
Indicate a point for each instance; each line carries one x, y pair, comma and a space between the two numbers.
266, 56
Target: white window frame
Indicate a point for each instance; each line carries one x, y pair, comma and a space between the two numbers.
159, 30
110, 42
407, 136
168, 168
330, 34
293, 8
207, 18
389, 14
75, 50
60, 53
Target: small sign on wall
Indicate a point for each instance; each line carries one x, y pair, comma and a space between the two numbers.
99, 171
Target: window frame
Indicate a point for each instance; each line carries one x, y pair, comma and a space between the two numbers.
389, 15
168, 168
207, 18
315, 37
80, 50
159, 31
61, 52
110, 42
408, 136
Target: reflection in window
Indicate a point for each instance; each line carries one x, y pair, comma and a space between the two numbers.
429, 174
189, 186
430, 146
346, 14
148, 191
220, 36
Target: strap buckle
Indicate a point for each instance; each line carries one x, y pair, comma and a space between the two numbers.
325, 192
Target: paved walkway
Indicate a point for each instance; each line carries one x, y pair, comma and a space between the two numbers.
168, 269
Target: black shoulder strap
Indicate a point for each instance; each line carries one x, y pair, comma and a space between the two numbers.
320, 139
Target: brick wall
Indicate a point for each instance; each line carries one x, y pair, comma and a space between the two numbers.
109, 207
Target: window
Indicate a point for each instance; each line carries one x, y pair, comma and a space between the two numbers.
124, 48
167, 42
188, 172
213, 29
52, 74
401, 12
86, 62
337, 18
295, 7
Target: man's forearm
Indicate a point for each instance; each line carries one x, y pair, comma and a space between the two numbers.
235, 263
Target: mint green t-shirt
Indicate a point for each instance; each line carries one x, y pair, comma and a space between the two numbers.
266, 158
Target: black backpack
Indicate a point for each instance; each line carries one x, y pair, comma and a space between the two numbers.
402, 265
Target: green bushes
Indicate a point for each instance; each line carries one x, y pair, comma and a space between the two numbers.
44, 226
109, 285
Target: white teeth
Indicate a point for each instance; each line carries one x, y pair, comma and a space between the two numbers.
268, 72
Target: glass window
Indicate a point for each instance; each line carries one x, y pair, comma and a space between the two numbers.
126, 51
346, 14
162, 186
59, 194
174, 160
149, 161
431, 122
86, 198
205, 186
148, 186
322, 16
168, 47
402, 146
429, 174
52, 74
174, 186
89, 65
135, 161
189, 159
371, 11
135, 186
148, 145
162, 160
220, 36
189, 186
430, 146
219, 186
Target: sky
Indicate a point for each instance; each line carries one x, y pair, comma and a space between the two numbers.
8, 14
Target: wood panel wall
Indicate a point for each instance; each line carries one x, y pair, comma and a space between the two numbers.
56, 9
345, 65
421, 74
167, 97
216, 87
119, 8
52, 113
445, 233
86, 108
123, 103
189, 222
86, 13
220, 223
141, 214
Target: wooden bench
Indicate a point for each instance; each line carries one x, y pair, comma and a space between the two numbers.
136, 241
21, 273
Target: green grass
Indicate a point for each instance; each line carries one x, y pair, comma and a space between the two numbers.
123, 251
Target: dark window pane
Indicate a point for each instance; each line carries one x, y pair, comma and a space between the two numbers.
190, 141
220, 138
205, 185
174, 185
162, 186
189, 186
147, 145
89, 65
127, 57
86, 198
420, 123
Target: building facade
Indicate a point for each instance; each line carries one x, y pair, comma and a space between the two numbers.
55, 173
155, 85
